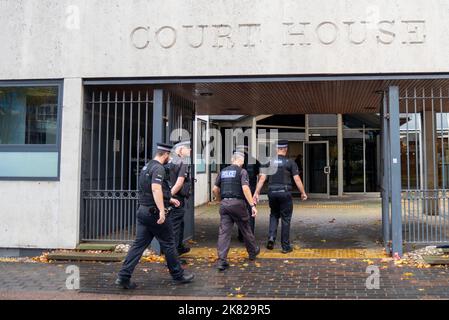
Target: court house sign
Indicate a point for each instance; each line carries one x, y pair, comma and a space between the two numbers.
249, 35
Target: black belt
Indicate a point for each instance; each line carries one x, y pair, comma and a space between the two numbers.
150, 209
154, 210
279, 188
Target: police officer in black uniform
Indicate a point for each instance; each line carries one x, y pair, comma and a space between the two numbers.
232, 187
180, 183
252, 167
154, 199
279, 194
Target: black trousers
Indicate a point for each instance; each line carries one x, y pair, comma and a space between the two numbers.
281, 207
252, 222
234, 211
147, 229
176, 217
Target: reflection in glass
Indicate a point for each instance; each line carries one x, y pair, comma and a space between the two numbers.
28, 115
331, 136
353, 161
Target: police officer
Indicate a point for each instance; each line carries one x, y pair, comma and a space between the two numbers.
279, 195
154, 199
180, 182
252, 167
232, 187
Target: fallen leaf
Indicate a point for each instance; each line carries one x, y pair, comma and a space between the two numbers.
370, 262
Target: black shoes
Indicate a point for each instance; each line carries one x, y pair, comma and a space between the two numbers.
253, 257
186, 278
183, 262
270, 244
222, 265
287, 250
183, 250
125, 284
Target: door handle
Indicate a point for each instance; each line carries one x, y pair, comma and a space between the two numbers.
327, 170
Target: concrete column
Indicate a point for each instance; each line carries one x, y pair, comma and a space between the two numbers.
70, 164
430, 161
340, 153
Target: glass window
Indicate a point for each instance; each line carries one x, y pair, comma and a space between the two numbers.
322, 120
353, 161
331, 136
28, 115
372, 160
29, 131
201, 146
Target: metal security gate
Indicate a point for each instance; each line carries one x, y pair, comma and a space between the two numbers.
117, 142
424, 142
121, 127
181, 116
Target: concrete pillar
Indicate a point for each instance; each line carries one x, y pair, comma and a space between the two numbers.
340, 153
70, 163
430, 162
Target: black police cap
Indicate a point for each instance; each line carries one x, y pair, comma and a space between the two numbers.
164, 147
282, 144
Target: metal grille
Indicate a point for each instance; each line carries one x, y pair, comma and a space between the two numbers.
117, 140
424, 132
181, 116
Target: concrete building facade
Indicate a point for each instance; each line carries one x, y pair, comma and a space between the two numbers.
223, 57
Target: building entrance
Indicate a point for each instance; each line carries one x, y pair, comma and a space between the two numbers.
317, 169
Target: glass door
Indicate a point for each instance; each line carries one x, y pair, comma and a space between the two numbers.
317, 169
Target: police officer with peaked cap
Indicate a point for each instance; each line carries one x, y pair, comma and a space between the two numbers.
232, 187
252, 167
279, 195
180, 184
154, 199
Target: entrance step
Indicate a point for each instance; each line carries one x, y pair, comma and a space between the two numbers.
86, 256
435, 260
299, 253
96, 247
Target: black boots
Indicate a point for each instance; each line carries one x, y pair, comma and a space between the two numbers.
270, 244
222, 265
253, 257
186, 278
125, 284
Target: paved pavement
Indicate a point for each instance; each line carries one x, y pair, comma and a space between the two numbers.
265, 278
345, 235
317, 224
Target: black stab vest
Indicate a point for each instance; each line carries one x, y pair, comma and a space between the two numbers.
231, 185
145, 192
281, 180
